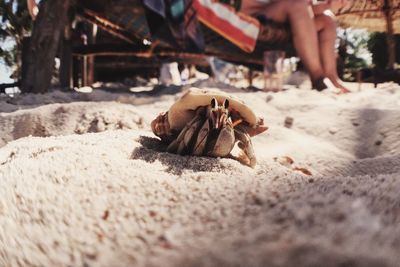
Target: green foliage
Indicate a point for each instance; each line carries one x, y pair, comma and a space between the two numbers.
377, 44
355, 63
354, 43
15, 24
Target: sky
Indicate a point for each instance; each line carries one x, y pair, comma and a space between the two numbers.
4, 74
4, 71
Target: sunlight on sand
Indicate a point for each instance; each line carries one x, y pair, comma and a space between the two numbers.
83, 181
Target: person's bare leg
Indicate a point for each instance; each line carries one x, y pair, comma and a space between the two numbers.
326, 28
304, 31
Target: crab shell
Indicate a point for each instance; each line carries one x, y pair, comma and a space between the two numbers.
183, 110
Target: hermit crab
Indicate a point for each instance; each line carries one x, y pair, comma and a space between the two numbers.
206, 122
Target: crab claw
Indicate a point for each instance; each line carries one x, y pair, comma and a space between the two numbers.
255, 130
248, 156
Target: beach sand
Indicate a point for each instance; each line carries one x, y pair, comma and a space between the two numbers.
84, 182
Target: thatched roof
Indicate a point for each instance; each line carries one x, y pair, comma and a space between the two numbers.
370, 14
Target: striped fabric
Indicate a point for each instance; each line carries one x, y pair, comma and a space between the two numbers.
133, 23
238, 28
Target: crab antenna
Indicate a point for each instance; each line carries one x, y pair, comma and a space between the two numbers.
214, 114
216, 118
223, 112
223, 119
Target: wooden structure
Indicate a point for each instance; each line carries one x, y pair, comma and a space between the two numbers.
378, 16
125, 35
38, 54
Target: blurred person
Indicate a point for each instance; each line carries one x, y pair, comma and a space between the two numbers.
32, 8
314, 34
169, 74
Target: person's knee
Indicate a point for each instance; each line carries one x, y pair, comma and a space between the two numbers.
328, 23
281, 10
295, 5
299, 8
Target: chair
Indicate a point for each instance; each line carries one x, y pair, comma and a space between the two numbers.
126, 20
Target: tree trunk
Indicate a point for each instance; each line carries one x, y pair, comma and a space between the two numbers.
66, 64
391, 42
39, 61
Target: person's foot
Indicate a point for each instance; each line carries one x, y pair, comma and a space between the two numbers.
319, 84
342, 91
323, 84
339, 84
329, 85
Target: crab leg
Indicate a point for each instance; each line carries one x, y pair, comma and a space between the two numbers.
224, 143
184, 146
201, 141
246, 146
183, 139
182, 142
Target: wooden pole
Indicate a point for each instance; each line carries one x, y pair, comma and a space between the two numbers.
391, 42
84, 62
90, 60
26, 43
250, 77
66, 59
39, 61
76, 71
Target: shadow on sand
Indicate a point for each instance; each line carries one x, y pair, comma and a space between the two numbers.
375, 131
154, 150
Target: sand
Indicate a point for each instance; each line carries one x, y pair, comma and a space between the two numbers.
84, 182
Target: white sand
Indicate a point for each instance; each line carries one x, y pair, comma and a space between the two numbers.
97, 190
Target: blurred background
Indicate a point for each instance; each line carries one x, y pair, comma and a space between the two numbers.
362, 53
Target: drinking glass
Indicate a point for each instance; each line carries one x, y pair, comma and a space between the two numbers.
273, 70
